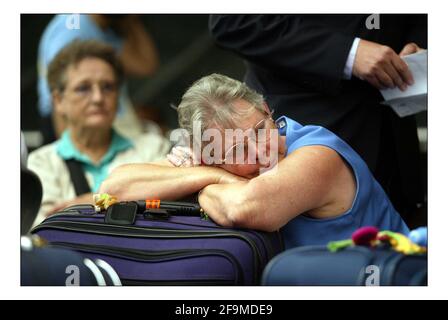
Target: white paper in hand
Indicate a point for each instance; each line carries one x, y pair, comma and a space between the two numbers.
414, 98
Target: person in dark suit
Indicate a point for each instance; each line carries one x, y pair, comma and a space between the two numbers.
327, 70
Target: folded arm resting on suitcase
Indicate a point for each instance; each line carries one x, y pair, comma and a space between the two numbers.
314, 180
162, 181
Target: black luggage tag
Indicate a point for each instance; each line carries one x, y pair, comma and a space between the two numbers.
121, 213
156, 214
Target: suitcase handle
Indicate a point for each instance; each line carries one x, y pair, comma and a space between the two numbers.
125, 212
171, 207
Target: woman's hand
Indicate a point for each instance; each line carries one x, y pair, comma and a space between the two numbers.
182, 157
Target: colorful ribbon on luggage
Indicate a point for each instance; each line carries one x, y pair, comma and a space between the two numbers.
373, 238
103, 201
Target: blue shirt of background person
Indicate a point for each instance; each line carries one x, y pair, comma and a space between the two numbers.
371, 206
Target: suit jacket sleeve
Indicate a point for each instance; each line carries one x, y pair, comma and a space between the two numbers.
293, 45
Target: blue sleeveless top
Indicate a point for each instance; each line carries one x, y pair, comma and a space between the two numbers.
371, 206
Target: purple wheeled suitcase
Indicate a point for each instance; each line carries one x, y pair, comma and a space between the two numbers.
175, 250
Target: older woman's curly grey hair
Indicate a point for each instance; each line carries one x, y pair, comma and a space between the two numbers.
210, 102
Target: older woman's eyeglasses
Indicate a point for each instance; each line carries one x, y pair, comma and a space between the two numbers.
244, 152
85, 90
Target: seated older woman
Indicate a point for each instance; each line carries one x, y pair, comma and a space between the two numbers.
316, 188
84, 78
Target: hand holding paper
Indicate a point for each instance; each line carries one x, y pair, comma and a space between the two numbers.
414, 98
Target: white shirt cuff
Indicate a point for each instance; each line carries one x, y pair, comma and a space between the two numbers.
351, 59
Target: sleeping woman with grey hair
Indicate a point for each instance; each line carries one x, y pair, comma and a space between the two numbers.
254, 172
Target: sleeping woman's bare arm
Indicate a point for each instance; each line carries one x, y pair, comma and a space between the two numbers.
162, 181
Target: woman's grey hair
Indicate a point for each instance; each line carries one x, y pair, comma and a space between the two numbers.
210, 102
76, 51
